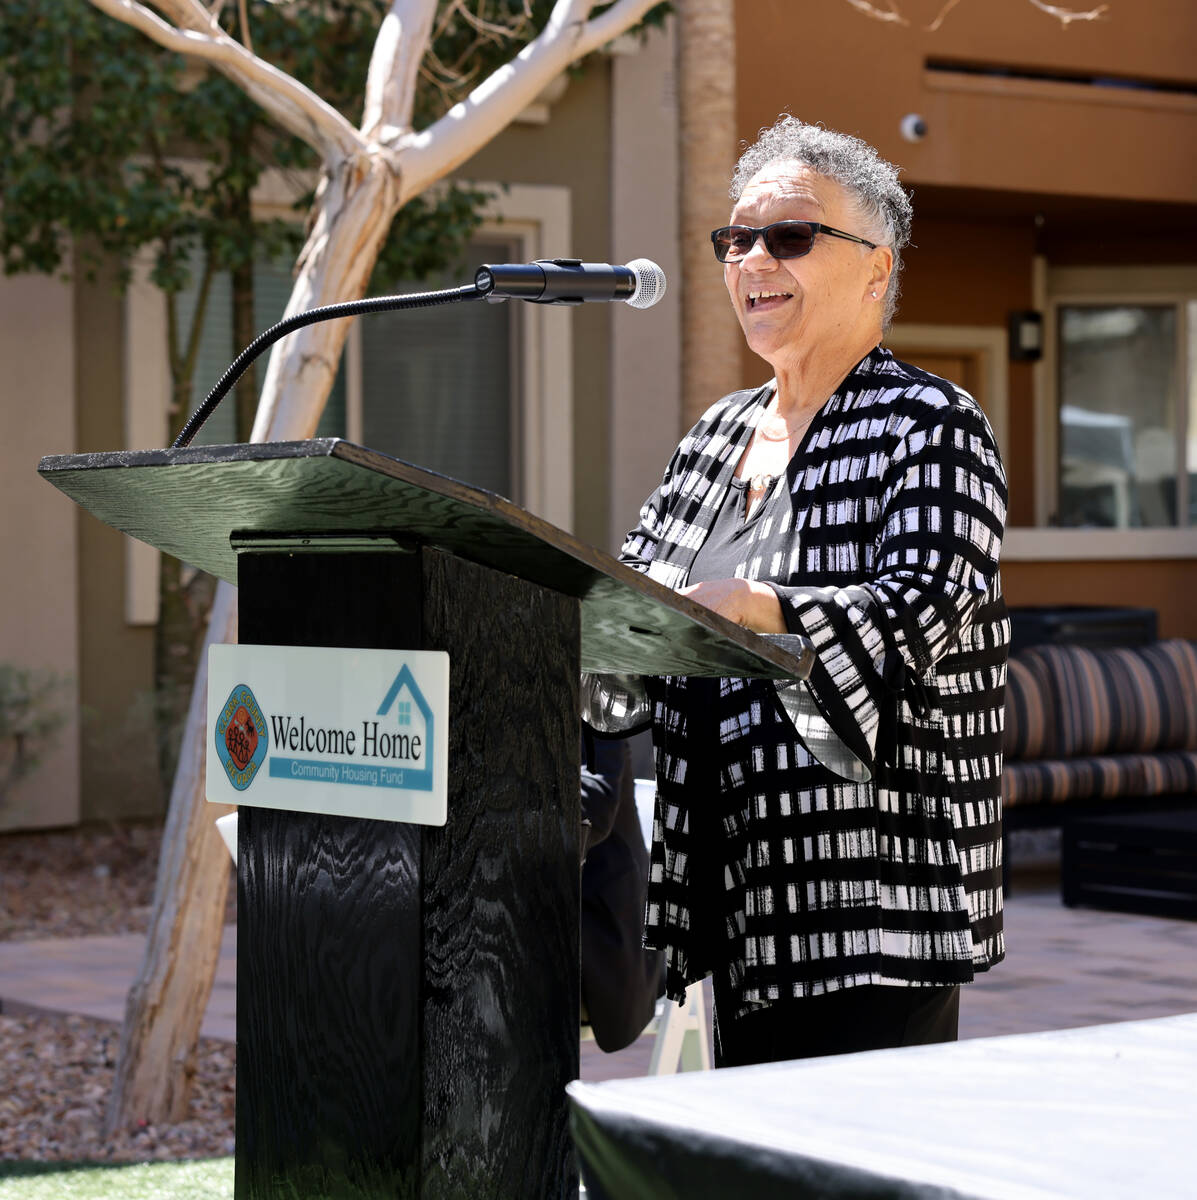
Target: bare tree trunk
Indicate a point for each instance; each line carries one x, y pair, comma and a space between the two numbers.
711, 338
166, 1004
174, 651
184, 601
355, 207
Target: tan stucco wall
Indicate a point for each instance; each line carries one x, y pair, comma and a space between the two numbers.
611, 138
39, 592
115, 658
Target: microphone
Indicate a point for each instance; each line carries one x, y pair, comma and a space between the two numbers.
570, 281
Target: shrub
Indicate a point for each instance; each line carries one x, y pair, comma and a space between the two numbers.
30, 718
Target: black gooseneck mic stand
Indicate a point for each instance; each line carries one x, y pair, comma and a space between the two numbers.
641, 283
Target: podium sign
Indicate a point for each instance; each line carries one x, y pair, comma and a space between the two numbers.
319, 729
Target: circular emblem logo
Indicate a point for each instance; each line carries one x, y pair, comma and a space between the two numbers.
241, 737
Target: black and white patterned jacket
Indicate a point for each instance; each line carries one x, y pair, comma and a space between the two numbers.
790, 877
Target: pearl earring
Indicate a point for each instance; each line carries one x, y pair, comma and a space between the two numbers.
874, 295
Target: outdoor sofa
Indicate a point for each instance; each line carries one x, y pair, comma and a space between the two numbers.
1097, 730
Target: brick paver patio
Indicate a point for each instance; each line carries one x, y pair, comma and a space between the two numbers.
1064, 968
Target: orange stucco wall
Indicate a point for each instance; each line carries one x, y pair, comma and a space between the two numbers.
830, 63
1167, 585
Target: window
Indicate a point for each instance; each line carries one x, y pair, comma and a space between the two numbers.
1126, 415
427, 402
1115, 434
484, 395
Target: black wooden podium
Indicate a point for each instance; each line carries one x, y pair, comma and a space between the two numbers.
407, 996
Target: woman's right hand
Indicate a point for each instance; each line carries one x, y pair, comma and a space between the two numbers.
747, 602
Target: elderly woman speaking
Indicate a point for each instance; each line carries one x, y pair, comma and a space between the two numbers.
829, 851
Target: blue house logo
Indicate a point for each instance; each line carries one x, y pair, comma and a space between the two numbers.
401, 695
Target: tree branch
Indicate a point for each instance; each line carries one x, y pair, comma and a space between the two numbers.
243, 17
493, 30
880, 14
295, 107
943, 12
610, 24
191, 14
433, 152
1066, 16
891, 13
394, 70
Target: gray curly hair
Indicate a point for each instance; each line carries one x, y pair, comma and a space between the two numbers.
870, 181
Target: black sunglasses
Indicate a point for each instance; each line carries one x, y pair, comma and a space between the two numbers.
783, 239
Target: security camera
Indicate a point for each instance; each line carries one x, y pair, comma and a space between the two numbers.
913, 127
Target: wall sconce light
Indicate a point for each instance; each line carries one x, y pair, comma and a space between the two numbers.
1026, 336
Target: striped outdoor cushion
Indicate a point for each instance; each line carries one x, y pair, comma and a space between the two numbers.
1122, 700
1183, 657
1101, 777
1030, 717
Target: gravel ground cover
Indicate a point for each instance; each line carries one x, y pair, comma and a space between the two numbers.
77, 882
56, 1072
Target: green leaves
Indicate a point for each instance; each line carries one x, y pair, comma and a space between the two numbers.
95, 127
31, 713
81, 98
109, 144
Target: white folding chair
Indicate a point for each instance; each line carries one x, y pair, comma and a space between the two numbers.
227, 825
682, 1043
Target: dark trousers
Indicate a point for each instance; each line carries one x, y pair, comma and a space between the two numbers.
840, 1022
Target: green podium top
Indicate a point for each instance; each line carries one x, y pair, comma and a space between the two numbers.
204, 503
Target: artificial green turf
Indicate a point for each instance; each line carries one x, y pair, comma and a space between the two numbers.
203, 1179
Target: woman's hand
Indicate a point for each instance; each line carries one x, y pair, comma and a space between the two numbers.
748, 602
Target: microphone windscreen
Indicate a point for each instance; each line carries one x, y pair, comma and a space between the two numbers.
650, 283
